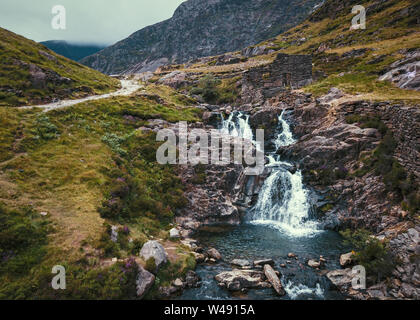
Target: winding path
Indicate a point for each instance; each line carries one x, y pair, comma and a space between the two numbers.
127, 87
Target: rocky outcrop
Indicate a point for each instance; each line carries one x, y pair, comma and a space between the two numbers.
329, 150
405, 73
406, 282
200, 28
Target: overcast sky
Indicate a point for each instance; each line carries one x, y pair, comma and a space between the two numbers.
92, 21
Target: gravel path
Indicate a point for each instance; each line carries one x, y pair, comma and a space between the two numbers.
127, 87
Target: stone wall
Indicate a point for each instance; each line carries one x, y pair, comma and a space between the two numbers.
404, 121
286, 72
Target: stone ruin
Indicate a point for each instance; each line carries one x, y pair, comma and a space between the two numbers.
286, 72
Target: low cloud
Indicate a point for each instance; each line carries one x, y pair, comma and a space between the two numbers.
92, 21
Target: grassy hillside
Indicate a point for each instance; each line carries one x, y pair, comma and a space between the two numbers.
353, 60
88, 167
32, 74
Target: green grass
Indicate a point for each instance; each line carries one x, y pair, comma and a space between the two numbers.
216, 91
69, 163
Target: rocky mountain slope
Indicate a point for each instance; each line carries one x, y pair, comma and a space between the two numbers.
72, 51
357, 127
84, 186
201, 28
32, 74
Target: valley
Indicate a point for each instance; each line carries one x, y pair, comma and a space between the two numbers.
80, 185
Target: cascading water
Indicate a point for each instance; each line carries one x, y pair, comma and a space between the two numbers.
278, 224
237, 125
283, 201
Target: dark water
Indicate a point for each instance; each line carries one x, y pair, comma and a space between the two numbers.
260, 242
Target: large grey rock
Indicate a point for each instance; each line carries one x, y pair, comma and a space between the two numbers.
174, 233
144, 282
274, 279
341, 278
156, 250
237, 280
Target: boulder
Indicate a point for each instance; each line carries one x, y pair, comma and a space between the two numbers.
153, 249
174, 233
341, 278
274, 279
213, 253
291, 255
346, 259
144, 282
237, 280
244, 264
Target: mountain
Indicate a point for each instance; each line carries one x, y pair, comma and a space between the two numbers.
30, 73
72, 51
201, 28
379, 62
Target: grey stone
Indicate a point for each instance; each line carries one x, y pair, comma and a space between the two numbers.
144, 282
156, 250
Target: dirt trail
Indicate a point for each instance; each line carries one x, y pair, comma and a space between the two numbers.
127, 87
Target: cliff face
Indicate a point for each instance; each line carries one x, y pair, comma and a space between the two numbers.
201, 28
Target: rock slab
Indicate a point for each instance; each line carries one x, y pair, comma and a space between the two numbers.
274, 279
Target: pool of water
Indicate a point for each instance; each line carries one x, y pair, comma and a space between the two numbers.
254, 242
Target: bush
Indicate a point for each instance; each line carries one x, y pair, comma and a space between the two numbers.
370, 253
45, 129
151, 265
367, 122
23, 237
216, 91
394, 175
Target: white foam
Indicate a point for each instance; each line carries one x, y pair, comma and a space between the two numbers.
294, 291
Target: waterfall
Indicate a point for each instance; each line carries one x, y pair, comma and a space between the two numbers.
283, 201
237, 125
285, 137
